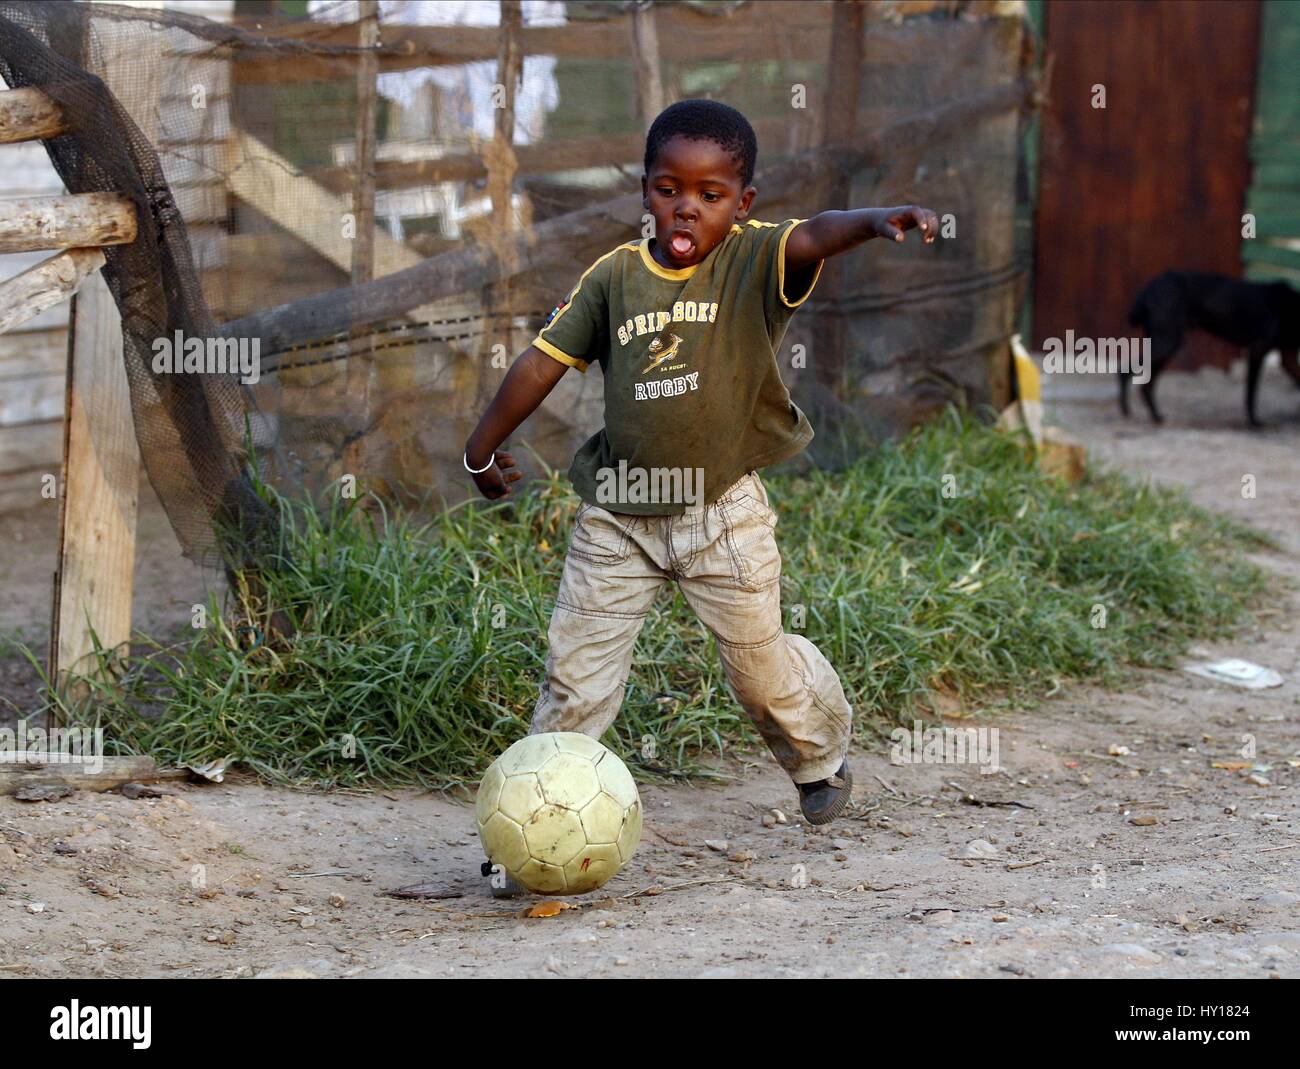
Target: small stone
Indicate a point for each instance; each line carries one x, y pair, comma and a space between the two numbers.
338, 901
1143, 822
981, 848
42, 793
139, 790
720, 845
35, 907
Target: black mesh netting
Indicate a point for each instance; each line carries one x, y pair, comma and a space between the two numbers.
237, 142
189, 426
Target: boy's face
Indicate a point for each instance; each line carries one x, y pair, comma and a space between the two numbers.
694, 192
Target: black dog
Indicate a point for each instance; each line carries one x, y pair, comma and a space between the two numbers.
1262, 316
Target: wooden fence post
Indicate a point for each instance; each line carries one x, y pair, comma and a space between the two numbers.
100, 483
359, 364
101, 461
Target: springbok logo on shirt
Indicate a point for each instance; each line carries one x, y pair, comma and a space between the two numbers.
661, 353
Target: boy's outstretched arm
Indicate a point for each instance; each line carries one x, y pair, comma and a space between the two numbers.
525, 386
832, 232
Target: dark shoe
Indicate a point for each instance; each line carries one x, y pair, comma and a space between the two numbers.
825, 799
502, 884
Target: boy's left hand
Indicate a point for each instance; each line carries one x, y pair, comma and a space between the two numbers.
891, 222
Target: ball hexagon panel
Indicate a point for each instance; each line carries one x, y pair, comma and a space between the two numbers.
539, 876
576, 743
554, 834
602, 819
527, 755
617, 782
488, 798
503, 841
569, 780
592, 867
521, 797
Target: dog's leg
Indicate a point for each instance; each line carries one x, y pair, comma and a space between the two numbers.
1123, 393
1253, 368
1163, 347
1289, 364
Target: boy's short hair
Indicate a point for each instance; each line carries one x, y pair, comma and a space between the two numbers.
705, 120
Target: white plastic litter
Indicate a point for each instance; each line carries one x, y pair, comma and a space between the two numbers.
1238, 673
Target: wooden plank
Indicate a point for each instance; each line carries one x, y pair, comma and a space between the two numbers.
841, 125
645, 53
75, 221
24, 353
27, 295
28, 115
500, 157
542, 158
263, 178
100, 483
696, 38
359, 364
101, 461
92, 774
32, 400
363, 206
31, 446
22, 490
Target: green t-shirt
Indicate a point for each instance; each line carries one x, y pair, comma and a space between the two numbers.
693, 396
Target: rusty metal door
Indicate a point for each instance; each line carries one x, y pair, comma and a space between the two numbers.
1155, 179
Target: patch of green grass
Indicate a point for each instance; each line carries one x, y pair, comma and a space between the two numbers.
946, 564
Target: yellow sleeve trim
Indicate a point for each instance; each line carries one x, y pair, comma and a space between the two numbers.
564, 358
780, 270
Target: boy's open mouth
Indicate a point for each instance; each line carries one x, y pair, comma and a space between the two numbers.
681, 243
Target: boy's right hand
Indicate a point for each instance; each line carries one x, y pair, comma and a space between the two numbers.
493, 483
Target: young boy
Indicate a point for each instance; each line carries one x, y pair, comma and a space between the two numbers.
686, 327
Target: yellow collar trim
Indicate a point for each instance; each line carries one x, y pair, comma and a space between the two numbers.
673, 274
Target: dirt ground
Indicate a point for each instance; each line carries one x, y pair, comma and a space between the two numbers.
1092, 863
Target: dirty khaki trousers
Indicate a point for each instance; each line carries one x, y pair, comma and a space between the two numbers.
725, 559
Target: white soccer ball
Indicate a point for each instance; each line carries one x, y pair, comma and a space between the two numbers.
559, 812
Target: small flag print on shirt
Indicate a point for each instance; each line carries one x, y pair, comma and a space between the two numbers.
554, 312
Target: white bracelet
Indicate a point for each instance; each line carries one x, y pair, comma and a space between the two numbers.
464, 459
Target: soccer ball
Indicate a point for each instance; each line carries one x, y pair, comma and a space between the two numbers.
559, 812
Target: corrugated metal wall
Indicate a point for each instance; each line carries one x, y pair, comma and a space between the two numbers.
1274, 195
